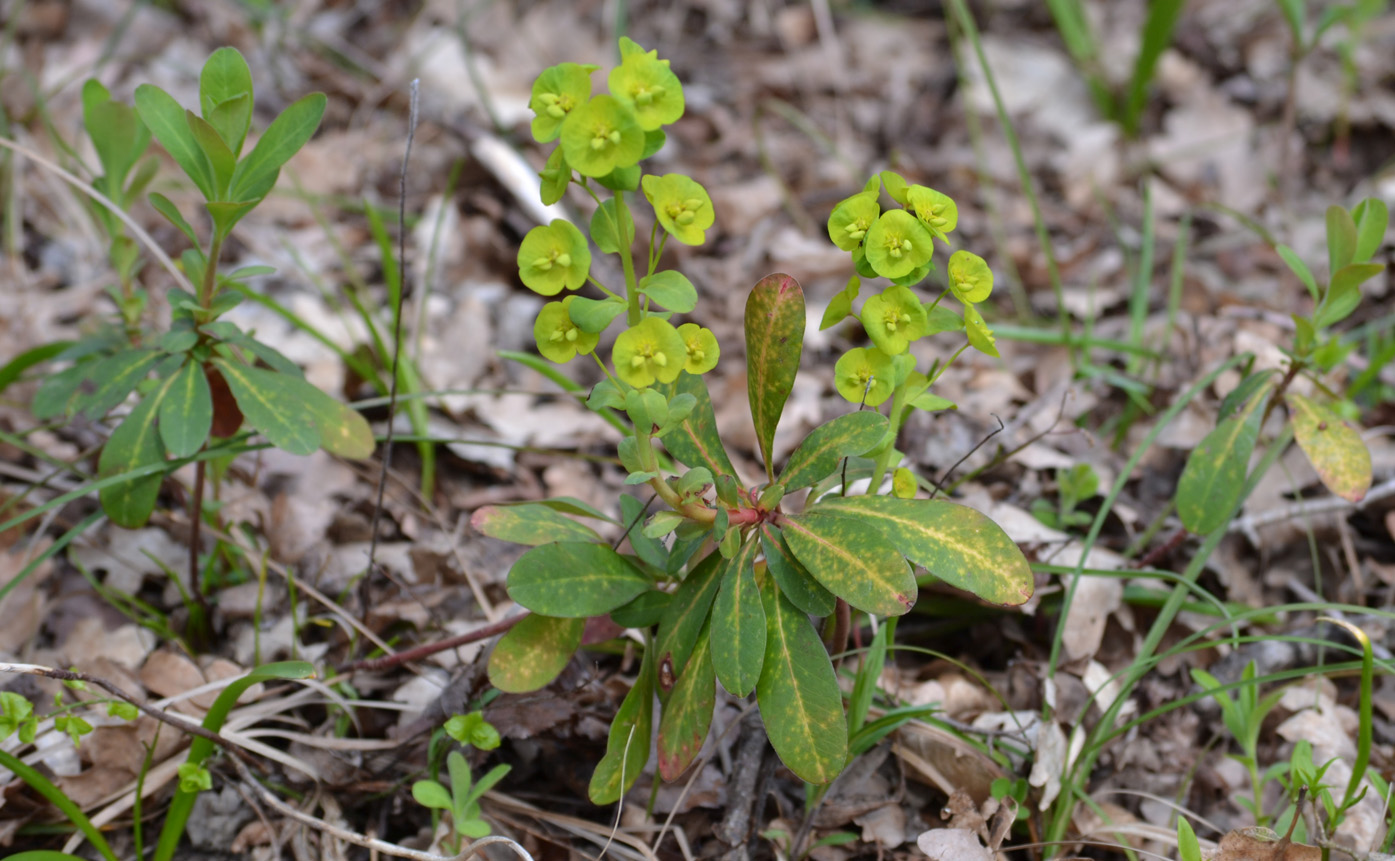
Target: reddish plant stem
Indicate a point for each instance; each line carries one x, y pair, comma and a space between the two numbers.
428, 649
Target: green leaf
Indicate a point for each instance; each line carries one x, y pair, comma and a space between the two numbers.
165, 118
15, 368
165, 207
685, 616
670, 289
594, 315
774, 340
602, 228
798, 693
957, 544
530, 523
112, 379
1334, 447
1214, 477
1293, 15
739, 622
429, 793
627, 749
695, 441
797, 584
840, 306
220, 158
1300, 269
573, 579
852, 561
1341, 238
225, 216
1372, 219
256, 174
225, 93
118, 136
1188, 848
1344, 293
651, 551
273, 404
687, 717
534, 652
134, 443
817, 456
646, 610
186, 413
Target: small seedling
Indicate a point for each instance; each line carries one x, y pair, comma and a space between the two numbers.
461, 799
1243, 714
1073, 486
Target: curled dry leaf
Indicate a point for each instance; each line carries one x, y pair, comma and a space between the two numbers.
953, 844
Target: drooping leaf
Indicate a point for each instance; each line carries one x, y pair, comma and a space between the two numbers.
738, 622
534, 652
687, 716
848, 435
651, 550
1299, 268
531, 523
957, 544
273, 405
165, 118
686, 614
1214, 477
186, 413
695, 442
256, 173
166, 207
574, 579
1334, 447
794, 581
627, 748
134, 443
800, 703
774, 340
853, 561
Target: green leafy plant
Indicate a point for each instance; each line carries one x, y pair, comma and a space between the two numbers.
1212, 484
722, 579
200, 381
1243, 714
1073, 486
461, 799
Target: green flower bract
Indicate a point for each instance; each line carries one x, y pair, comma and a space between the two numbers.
935, 210
556, 93
552, 257
980, 336
648, 351
897, 244
559, 339
682, 206
602, 135
851, 219
864, 375
702, 348
969, 277
893, 319
648, 85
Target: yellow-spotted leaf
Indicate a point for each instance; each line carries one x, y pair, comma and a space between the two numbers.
688, 714
272, 406
800, 703
798, 584
817, 456
1214, 477
738, 622
684, 618
627, 748
774, 340
186, 413
1334, 447
531, 523
851, 560
574, 579
534, 652
957, 544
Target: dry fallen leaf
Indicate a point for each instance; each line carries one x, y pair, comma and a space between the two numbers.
953, 844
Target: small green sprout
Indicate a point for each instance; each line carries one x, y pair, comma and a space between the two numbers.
17, 714
647, 83
474, 730
702, 348
864, 375
682, 205
651, 350
898, 244
194, 777
969, 277
559, 339
461, 800
893, 319
601, 135
556, 93
554, 256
